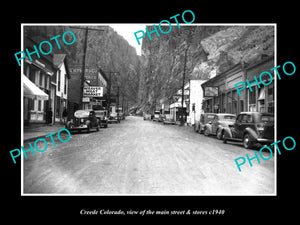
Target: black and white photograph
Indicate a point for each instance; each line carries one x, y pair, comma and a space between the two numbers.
179, 109
142, 111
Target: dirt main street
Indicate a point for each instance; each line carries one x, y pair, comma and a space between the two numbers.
145, 157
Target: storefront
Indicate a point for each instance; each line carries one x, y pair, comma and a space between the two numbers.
227, 100
31, 94
35, 108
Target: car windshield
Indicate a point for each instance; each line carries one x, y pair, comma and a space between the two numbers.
229, 118
267, 118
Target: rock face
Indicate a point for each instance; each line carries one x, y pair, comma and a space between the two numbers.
209, 50
228, 47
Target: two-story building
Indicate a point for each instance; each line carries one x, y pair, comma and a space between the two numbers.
39, 70
61, 79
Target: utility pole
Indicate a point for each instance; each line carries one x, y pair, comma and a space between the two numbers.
182, 88
83, 61
109, 89
188, 37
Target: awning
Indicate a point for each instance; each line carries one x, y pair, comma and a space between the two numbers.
32, 91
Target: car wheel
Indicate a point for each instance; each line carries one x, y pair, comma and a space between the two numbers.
219, 134
247, 142
88, 129
206, 132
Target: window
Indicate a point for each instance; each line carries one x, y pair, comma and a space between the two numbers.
234, 102
39, 105
252, 99
247, 118
46, 82
270, 98
239, 118
41, 80
224, 103
229, 102
58, 81
65, 84
241, 106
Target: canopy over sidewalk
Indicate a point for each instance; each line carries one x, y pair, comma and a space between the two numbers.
32, 91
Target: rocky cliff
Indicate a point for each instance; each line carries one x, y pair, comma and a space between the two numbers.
209, 50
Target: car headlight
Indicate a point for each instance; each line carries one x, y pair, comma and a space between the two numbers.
81, 120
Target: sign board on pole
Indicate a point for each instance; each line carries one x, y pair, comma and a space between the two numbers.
93, 91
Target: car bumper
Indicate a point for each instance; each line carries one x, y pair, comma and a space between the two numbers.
78, 128
265, 141
112, 121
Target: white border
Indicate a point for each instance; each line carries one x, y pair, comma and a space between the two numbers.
149, 24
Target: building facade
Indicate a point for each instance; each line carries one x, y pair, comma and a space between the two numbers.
225, 99
61, 81
39, 70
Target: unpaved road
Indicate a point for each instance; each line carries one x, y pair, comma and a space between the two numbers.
145, 157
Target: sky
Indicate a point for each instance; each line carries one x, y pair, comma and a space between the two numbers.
127, 31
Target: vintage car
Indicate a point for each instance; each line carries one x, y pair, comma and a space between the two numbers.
147, 116
161, 118
205, 118
217, 125
156, 115
168, 119
113, 118
251, 128
83, 120
121, 115
102, 116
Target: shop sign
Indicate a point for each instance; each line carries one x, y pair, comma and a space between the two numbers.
93, 91
86, 99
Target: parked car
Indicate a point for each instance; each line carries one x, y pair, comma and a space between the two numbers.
205, 118
83, 120
102, 115
121, 115
251, 128
169, 120
147, 116
161, 118
113, 118
156, 115
217, 125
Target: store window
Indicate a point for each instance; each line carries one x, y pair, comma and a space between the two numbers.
252, 99
229, 100
39, 105
58, 80
270, 98
224, 103
261, 100
234, 102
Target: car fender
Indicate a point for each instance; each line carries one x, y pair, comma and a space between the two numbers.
68, 124
88, 122
251, 132
208, 127
220, 127
227, 132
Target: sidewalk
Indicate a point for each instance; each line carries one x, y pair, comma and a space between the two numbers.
33, 132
